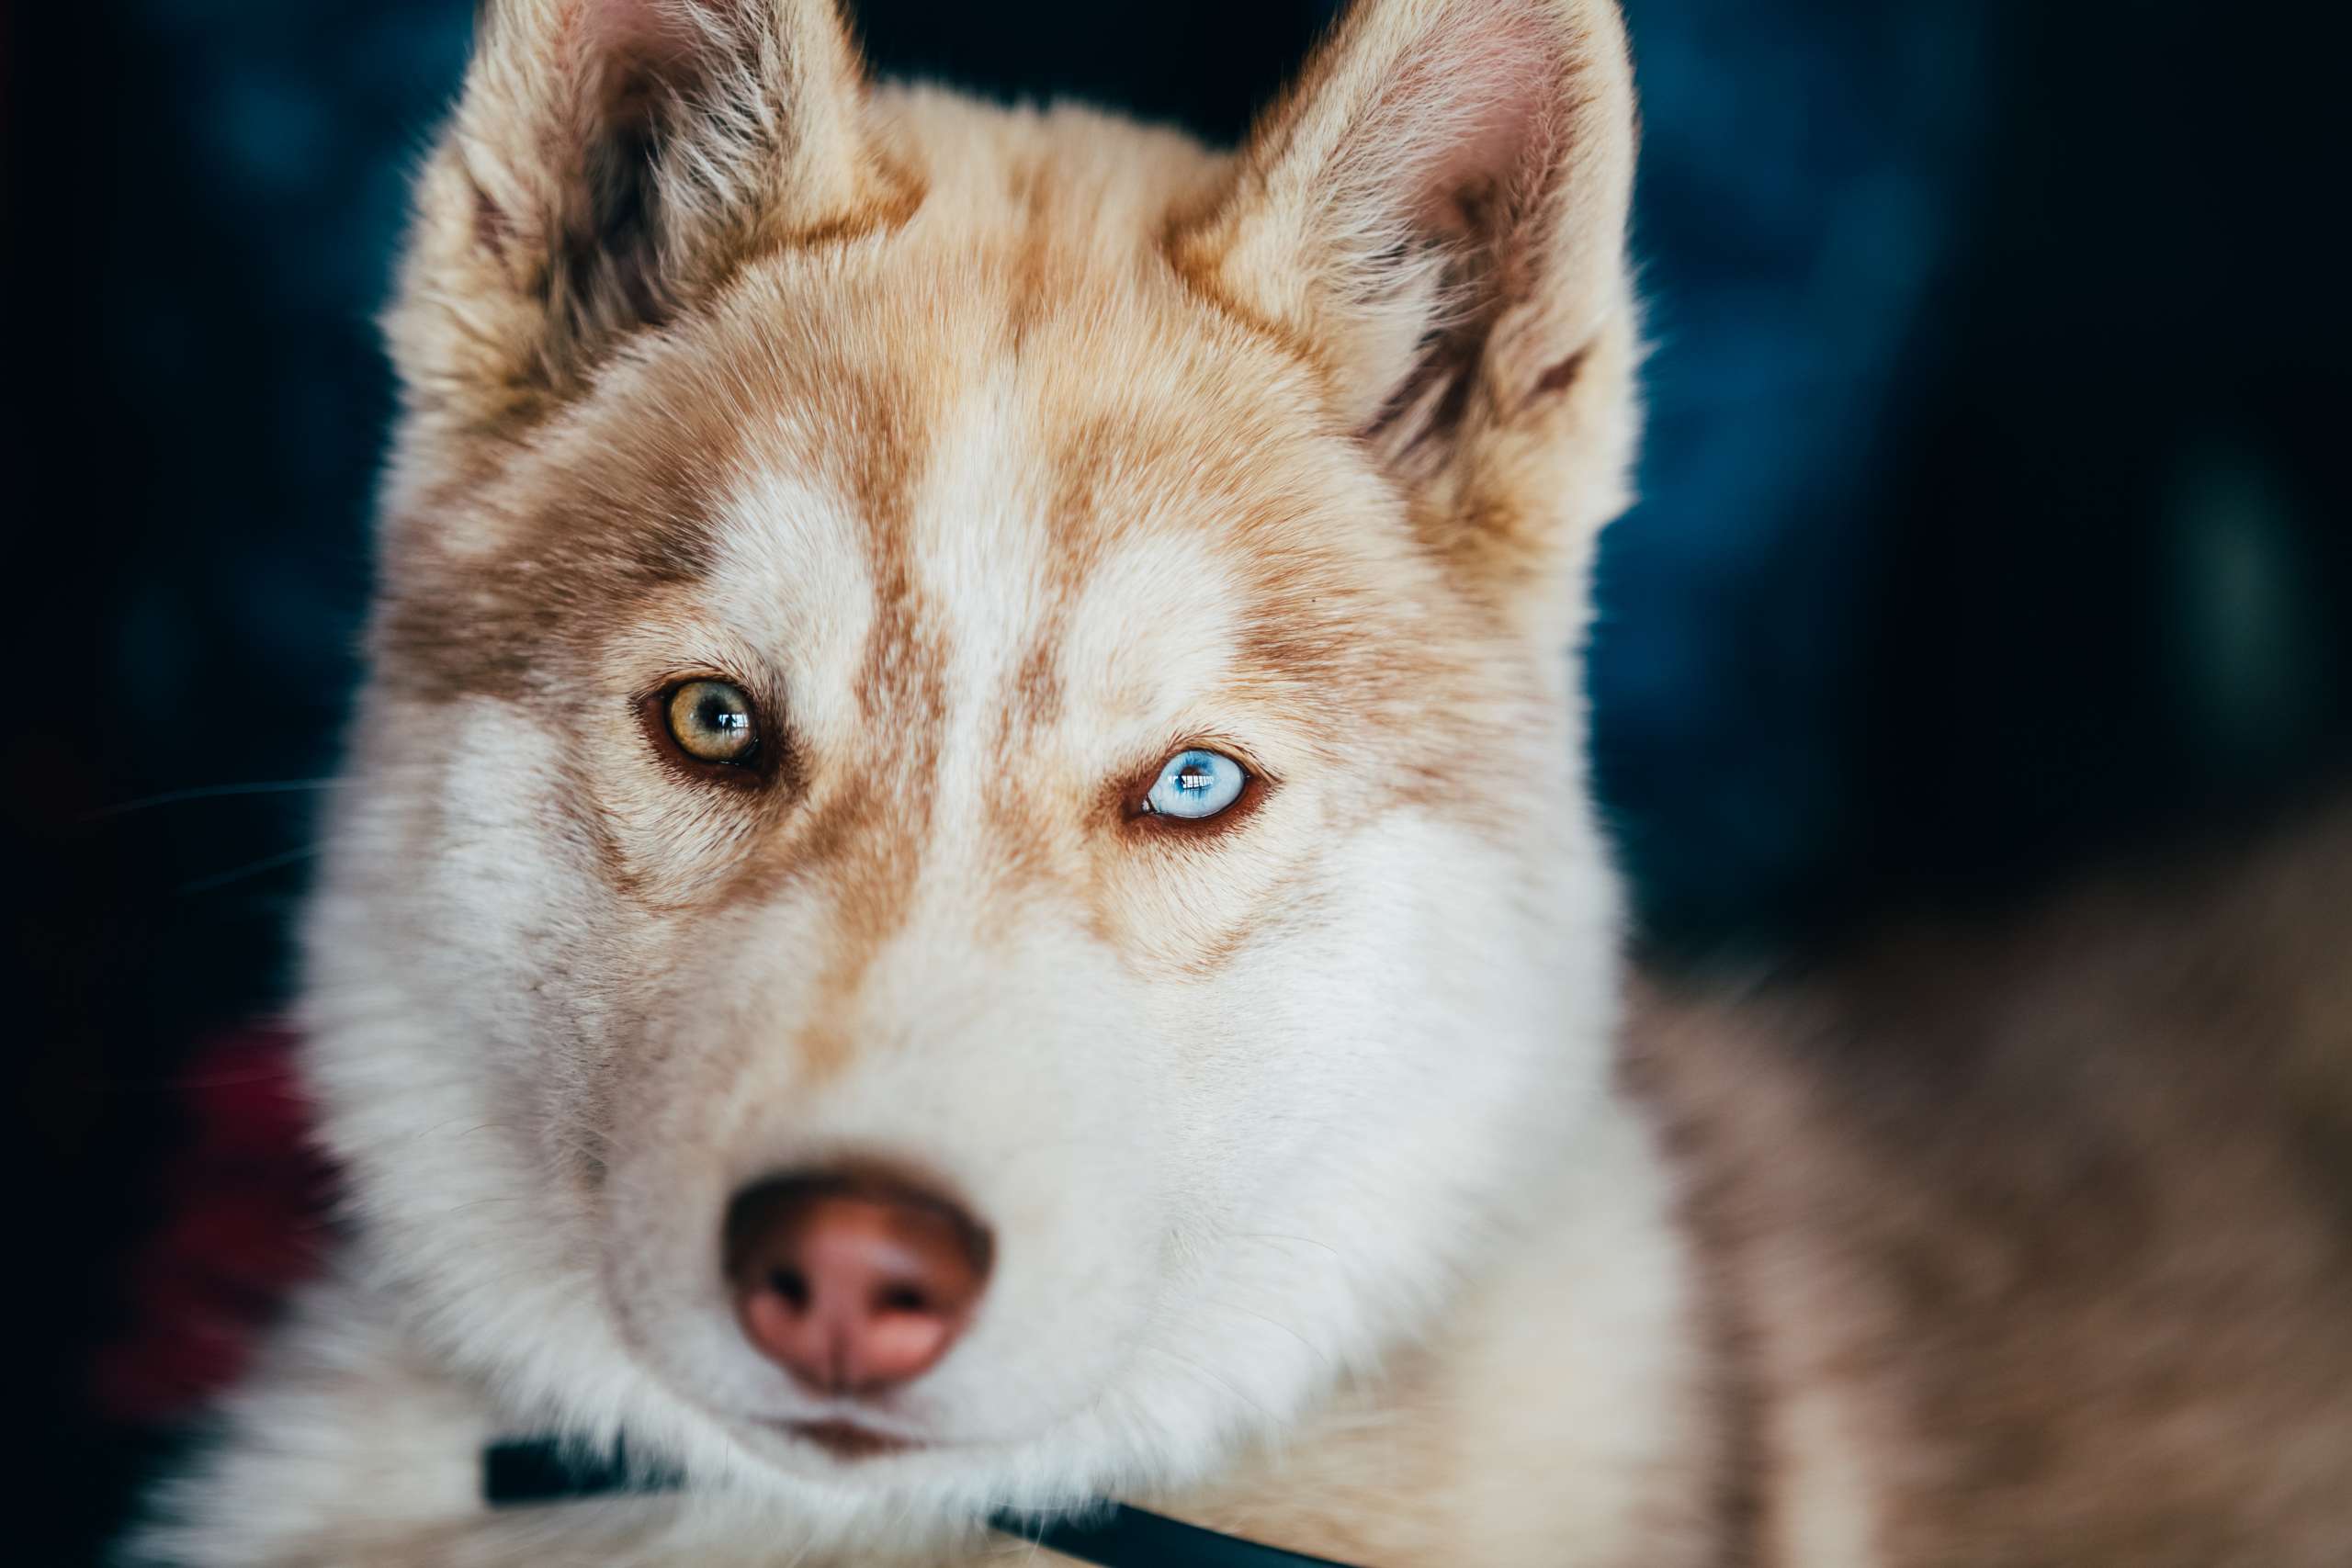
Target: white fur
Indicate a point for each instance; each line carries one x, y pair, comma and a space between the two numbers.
1342, 1234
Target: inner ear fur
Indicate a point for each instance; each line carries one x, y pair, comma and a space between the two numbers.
1434, 216
610, 162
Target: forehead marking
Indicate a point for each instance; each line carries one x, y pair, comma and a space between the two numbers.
1073, 525
867, 832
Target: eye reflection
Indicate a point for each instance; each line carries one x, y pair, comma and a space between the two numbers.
1196, 784
713, 721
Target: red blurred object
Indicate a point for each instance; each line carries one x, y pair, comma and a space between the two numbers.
248, 1197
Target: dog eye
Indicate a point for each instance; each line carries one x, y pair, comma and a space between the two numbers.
1195, 785
713, 721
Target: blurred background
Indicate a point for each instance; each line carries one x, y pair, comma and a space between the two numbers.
1995, 509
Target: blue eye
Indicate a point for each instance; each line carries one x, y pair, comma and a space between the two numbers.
1193, 785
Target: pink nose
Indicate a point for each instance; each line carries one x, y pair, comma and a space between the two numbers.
853, 1284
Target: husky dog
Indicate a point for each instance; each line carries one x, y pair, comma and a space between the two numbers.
965, 882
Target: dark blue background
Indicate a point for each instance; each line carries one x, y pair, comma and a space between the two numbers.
1994, 510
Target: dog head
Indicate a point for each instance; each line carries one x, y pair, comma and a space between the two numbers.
964, 874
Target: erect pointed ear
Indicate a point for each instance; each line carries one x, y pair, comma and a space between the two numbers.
1436, 216
609, 163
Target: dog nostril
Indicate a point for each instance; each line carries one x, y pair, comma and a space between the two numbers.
791, 1285
853, 1283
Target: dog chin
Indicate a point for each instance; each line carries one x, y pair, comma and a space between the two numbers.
859, 1452
851, 1465
852, 1453
856, 1467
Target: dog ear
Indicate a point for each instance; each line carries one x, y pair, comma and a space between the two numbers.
1435, 217
610, 161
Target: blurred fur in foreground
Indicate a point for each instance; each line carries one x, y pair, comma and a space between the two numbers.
2032, 1239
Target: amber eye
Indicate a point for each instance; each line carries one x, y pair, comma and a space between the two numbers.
713, 721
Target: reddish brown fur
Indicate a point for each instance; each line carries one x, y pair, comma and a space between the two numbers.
2045, 1233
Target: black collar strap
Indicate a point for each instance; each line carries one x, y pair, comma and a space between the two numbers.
539, 1469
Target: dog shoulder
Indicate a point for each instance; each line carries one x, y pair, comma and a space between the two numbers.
2033, 1232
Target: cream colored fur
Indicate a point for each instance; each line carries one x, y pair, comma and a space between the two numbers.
998, 454
1006, 449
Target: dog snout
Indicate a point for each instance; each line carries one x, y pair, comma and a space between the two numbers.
853, 1283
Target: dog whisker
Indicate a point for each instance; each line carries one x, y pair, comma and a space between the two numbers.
212, 792
251, 868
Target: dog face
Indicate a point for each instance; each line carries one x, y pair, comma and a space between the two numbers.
964, 877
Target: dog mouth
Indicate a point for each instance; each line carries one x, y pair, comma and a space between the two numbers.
848, 1440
